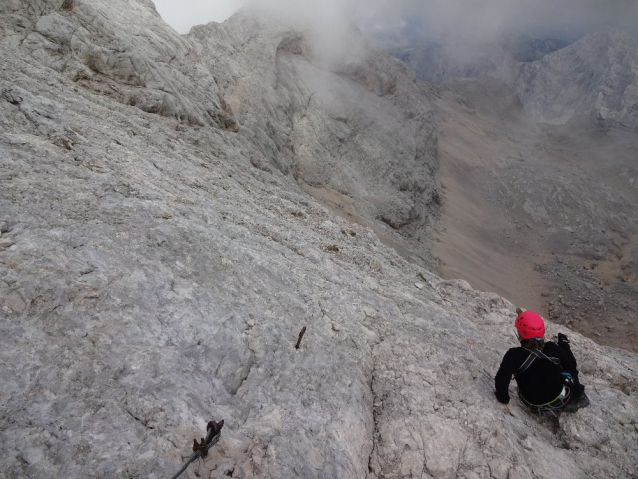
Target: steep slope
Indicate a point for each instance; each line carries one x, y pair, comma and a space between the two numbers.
120, 49
538, 161
527, 212
342, 117
151, 278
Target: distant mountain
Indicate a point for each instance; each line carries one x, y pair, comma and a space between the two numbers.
438, 61
596, 76
526, 49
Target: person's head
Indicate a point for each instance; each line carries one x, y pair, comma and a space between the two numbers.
531, 329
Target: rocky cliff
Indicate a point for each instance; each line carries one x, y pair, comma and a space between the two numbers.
162, 243
596, 76
345, 118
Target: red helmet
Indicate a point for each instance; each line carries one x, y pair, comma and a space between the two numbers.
530, 325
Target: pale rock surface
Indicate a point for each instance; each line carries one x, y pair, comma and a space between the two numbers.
152, 278
308, 111
596, 76
118, 48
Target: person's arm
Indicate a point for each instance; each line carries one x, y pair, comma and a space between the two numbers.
504, 376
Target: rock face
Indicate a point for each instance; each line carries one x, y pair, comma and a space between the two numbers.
118, 49
157, 265
596, 76
353, 123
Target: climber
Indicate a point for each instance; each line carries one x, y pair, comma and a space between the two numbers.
545, 372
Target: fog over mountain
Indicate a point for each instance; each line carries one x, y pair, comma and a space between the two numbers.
486, 19
461, 37
482, 19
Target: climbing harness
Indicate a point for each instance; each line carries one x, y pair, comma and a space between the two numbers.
555, 404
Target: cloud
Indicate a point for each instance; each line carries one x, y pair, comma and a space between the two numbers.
325, 25
473, 19
485, 18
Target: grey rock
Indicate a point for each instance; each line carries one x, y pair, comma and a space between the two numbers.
595, 76
307, 115
119, 49
6, 243
158, 279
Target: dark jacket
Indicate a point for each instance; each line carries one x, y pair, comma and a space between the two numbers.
542, 382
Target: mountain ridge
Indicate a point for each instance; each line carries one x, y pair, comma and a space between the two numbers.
604, 88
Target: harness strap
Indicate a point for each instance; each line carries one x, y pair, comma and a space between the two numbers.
533, 354
526, 364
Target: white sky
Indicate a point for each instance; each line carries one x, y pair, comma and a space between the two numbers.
183, 14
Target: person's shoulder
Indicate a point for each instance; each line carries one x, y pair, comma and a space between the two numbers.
516, 348
516, 351
512, 358
550, 346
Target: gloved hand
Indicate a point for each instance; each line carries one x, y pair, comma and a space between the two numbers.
562, 338
503, 400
